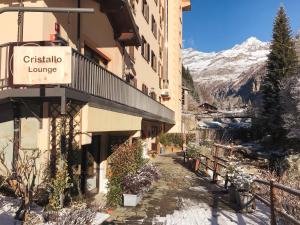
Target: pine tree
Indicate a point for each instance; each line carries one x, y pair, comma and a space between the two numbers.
187, 81
281, 64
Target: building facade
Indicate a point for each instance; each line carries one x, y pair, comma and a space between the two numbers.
123, 80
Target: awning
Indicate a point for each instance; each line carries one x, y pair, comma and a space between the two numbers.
122, 21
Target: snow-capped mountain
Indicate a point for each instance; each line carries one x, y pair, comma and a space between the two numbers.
233, 74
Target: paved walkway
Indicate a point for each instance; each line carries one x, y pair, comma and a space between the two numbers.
181, 197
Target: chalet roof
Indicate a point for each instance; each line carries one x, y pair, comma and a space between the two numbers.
208, 105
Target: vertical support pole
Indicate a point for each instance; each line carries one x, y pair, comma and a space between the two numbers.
272, 200
83, 175
16, 140
63, 153
20, 23
79, 27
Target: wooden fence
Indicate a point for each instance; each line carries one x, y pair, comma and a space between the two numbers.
216, 163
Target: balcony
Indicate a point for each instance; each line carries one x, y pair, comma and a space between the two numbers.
90, 83
186, 5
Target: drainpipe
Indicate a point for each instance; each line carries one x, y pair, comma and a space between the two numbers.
123, 61
79, 27
20, 23
166, 38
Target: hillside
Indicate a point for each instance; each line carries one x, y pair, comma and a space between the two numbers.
230, 77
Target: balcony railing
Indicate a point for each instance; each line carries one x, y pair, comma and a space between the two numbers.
90, 78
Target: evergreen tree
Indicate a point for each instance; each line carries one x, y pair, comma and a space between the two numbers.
187, 81
281, 64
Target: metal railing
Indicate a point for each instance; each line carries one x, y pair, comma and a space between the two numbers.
90, 78
95, 80
4, 66
215, 163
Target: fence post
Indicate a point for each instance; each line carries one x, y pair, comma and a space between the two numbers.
272, 200
197, 163
215, 175
206, 164
226, 182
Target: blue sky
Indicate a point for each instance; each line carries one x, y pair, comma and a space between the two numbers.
215, 25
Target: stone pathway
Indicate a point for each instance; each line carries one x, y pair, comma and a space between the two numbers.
181, 197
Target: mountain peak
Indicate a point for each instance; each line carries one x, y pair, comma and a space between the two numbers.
250, 43
253, 40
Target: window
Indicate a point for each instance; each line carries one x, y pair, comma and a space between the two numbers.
183, 97
154, 27
131, 52
144, 89
148, 52
143, 46
145, 50
95, 56
132, 4
165, 84
153, 61
158, 66
153, 95
160, 53
160, 83
162, 14
145, 10
131, 80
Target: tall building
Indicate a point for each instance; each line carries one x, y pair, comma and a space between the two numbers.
94, 80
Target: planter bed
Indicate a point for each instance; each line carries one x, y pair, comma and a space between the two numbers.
132, 200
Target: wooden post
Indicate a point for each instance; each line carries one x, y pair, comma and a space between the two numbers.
206, 164
215, 175
272, 200
197, 164
226, 182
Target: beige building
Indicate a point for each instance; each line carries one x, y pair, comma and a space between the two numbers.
123, 82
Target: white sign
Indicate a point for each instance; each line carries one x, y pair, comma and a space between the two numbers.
42, 65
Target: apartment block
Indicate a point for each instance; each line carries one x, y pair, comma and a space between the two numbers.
99, 78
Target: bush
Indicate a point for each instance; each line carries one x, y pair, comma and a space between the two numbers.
176, 139
141, 181
125, 159
195, 151
59, 186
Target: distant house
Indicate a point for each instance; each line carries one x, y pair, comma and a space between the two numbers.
205, 107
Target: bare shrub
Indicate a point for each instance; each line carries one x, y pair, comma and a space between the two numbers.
21, 178
284, 201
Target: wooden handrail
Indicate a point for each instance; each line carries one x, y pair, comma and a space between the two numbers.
271, 204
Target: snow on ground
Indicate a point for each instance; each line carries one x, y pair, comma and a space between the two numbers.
9, 206
202, 214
